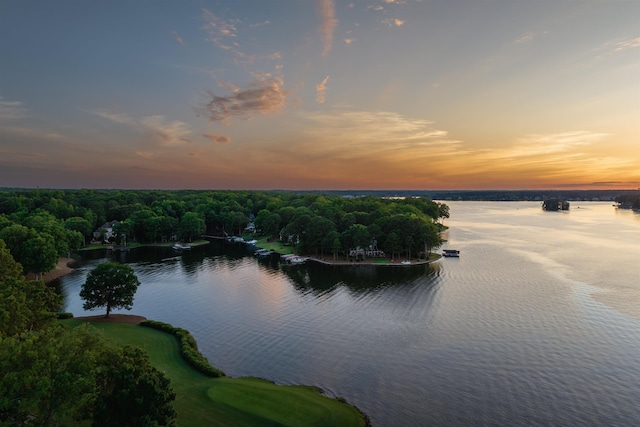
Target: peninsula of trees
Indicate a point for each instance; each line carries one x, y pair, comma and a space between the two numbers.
39, 226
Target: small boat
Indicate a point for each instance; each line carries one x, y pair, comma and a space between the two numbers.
405, 262
292, 259
451, 253
181, 247
263, 253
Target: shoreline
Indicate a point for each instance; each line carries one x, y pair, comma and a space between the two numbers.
62, 268
333, 262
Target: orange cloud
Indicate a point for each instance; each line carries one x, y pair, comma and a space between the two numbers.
218, 139
321, 90
221, 33
394, 22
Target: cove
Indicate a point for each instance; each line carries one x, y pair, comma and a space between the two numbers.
535, 323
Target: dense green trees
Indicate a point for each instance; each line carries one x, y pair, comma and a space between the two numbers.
47, 375
36, 252
191, 226
111, 285
54, 375
309, 222
26, 305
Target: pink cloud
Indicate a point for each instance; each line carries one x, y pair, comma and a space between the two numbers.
321, 90
176, 36
218, 139
327, 11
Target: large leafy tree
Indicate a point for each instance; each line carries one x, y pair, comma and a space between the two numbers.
191, 225
35, 251
111, 285
131, 392
80, 225
25, 305
9, 268
47, 375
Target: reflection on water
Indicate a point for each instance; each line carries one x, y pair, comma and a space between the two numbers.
319, 278
535, 324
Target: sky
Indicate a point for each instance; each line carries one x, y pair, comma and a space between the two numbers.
320, 94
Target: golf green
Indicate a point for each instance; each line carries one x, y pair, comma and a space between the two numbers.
204, 401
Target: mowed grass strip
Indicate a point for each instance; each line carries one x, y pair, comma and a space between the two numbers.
204, 401
275, 245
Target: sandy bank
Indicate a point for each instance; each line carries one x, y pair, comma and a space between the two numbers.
61, 269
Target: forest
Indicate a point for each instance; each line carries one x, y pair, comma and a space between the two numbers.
38, 226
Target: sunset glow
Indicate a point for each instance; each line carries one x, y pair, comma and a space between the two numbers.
321, 94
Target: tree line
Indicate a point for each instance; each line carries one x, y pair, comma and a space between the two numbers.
40, 225
629, 201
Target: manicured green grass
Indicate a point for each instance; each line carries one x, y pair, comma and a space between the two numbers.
275, 245
204, 401
92, 247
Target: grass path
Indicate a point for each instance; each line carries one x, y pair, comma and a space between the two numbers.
233, 402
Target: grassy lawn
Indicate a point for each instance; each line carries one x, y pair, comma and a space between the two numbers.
275, 245
204, 401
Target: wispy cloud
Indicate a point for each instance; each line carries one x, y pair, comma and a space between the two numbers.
537, 144
121, 118
265, 95
33, 133
260, 24
12, 110
373, 131
176, 36
328, 23
525, 38
162, 131
168, 132
627, 44
552, 157
218, 139
321, 90
394, 22
221, 32
380, 6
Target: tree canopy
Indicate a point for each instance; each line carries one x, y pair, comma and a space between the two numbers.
111, 285
153, 216
54, 375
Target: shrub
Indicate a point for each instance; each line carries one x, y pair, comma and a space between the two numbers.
188, 347
64, 315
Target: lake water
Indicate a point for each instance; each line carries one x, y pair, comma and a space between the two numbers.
537, 322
